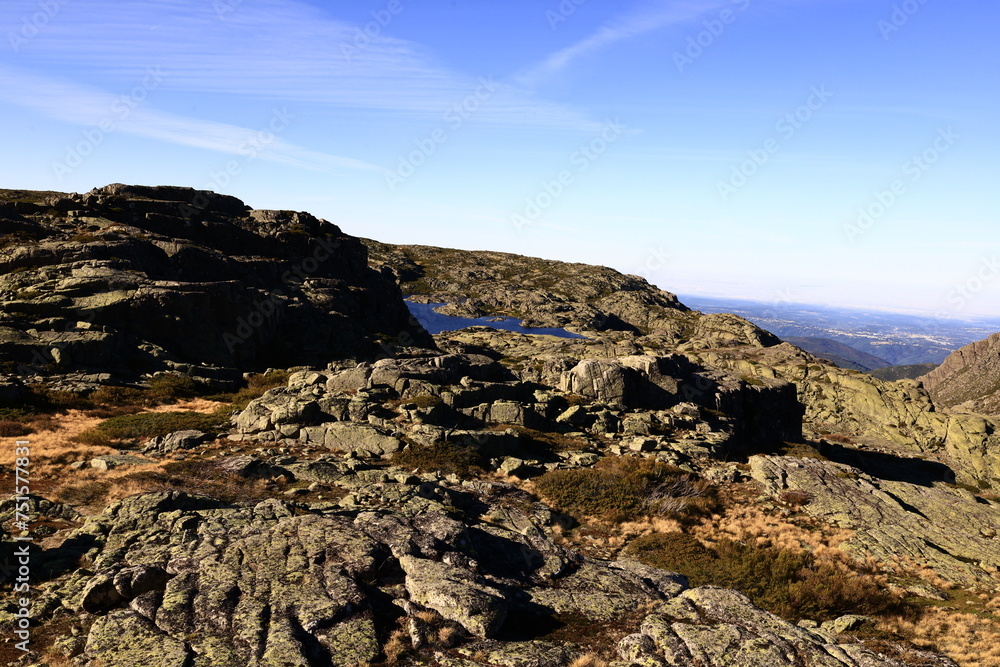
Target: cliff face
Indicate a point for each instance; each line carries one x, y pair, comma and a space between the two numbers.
969, 379
131, 279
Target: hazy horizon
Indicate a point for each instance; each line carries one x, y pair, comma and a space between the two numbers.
834, 152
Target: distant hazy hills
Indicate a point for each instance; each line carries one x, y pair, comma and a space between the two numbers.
910, 372
897, 339
843, 355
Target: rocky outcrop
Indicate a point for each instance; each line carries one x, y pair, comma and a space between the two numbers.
459, 397
131, 279
331, 543
939, 526
890, 415
539, 292
969, 378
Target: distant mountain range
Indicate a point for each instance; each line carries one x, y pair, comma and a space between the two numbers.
897, 339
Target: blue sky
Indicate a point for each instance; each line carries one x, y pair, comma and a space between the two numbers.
826, 151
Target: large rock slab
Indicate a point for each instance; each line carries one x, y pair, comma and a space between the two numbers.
456, 593
348, 437
941, 526
716, 627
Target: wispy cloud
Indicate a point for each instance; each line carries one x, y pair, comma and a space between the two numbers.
288, 51
648, 17
90, 107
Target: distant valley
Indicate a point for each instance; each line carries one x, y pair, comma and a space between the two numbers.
897, 339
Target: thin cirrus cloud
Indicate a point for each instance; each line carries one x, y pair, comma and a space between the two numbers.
288, 51
648, 17
92, 108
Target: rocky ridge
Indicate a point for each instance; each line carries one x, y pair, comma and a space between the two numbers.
969, 379
546, 293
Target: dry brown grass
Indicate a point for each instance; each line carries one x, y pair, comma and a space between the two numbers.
743, 523
396, 647
589, 660
202, 405
92, 490
971, 640
52, 449
448, 636
50, 445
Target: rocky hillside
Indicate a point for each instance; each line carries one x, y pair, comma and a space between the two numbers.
128, 280
673, 489
969, 379
840, 402
546, 293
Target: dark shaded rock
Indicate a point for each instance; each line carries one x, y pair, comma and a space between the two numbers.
142, 279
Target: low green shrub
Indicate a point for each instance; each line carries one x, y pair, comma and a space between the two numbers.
133, 427
626, 488
257, 385
170, 386
44, 399
445, 457
791, 584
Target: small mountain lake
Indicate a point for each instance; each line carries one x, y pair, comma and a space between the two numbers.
436, 322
